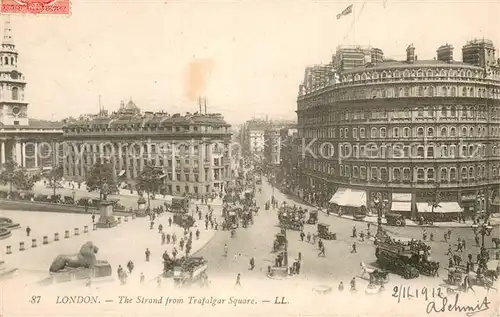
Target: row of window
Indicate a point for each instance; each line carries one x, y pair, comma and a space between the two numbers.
421, 174
352, 93
399, 132
451, 111
419, 73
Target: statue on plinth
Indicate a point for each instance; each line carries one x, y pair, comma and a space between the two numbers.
85, 258
106, 218
141, 207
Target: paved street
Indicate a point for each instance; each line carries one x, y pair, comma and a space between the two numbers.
339, 265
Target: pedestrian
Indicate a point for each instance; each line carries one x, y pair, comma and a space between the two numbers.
341, 287
152, 224
354, 248
354, 235
130, 266
368, 226
449, 234
170, 221
477, 240
252, 264
297, 266
28, 231
160, 228
163, 238
320, 244
302, 235
148, 254
362, 236
431, 236
174, 238
206, 224
238, 280
168, 238
119, 271
308, 237
353, 284
322, 251
197, 234
424, 235
181, 244
93, 218
445, 237
300, 256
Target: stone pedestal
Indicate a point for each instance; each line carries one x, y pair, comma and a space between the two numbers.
141, 207
278, 272
106, 219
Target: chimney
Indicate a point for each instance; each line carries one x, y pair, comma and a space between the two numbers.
410, 54
445, 53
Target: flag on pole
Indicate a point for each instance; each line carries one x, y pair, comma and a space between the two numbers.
346, 11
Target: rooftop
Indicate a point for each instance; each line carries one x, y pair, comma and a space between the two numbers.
417, 63
36, 124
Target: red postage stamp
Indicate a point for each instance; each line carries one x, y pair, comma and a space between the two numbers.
36, 6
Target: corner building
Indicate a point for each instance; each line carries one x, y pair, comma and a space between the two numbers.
194, 150
409, 127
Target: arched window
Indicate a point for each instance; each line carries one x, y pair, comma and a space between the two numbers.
406, 74
395, 133
464, 131
444, 151
431, 91
453, 91
407, 91
453, 174
373, 133
420, 132
444, 112
421, 91
420, 173
6, 61
397, 74
363, 77
471, 132
464, 92
463, 173
444, 132
430, 132
15, 93
471, 172
420, 152
444, 91
430, 173
397, 174
406, 132
383, 133
429, 73
12, 60
453, 131
444, 174
453, 111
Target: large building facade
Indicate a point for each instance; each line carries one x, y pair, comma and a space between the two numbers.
193, 150
412, 127
31, 144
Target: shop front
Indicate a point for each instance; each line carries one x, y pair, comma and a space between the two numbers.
349, 201
444, 212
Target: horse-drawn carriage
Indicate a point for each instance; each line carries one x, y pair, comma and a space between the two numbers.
290, 219
324, 232
379, 277
394, 219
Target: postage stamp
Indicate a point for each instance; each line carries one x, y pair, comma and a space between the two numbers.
36, 6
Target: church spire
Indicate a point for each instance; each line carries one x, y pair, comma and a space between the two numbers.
7, 32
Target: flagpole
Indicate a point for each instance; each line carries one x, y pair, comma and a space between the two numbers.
353, 25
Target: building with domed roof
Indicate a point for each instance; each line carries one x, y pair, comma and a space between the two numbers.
193, 150
406, 129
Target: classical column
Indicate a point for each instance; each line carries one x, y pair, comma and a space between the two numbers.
3, 152
23, 150
36, 154
18, 153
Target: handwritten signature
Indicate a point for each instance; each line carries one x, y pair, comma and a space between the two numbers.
446, 306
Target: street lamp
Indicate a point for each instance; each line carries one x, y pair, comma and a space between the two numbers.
483, 229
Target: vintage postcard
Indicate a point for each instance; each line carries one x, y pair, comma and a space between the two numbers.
249, 158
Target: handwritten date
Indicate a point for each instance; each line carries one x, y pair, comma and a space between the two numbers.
403, 292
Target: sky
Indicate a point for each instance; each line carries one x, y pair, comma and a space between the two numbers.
246, 57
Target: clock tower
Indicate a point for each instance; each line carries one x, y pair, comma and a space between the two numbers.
13, 108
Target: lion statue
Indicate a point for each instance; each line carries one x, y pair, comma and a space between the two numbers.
85, 258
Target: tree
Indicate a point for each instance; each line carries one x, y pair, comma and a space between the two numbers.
8, 174
54, 177
100, 178
149, 181
24, 180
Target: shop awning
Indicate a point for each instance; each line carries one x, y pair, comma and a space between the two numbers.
401, 197
337, 197
401, 206
444, 208
349, 197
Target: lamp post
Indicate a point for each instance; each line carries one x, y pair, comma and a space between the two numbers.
484, 230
